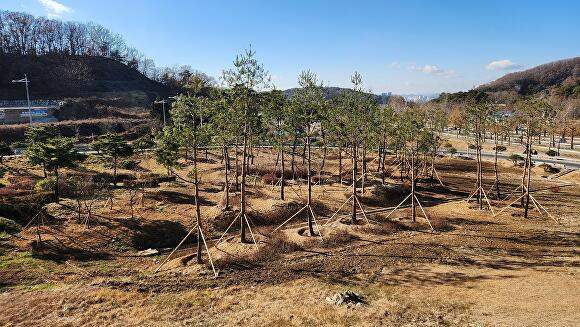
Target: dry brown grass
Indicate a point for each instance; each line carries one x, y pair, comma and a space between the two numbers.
409, 276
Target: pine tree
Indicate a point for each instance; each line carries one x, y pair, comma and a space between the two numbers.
113, 146
54, 153
244, 81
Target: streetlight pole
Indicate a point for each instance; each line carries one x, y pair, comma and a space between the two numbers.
163, 102
25, 80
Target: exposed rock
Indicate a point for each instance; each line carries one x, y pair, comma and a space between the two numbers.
347, 297
147, 253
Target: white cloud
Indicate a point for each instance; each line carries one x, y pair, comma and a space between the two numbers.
427, 69
505, 64
54, 9
434, 70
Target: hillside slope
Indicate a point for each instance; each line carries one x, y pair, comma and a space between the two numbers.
57, 76
539, 78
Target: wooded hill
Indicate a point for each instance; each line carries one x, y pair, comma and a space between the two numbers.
60, 76
539, 78
561, 77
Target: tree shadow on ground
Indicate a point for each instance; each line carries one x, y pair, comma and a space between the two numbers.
60, 252
363, 259
159, 234
178, 198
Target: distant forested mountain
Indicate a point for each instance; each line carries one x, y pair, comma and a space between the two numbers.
331, 92
540, 78
557, 79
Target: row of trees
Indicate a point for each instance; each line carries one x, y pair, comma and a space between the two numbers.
240, 115
45, 147
24, 34
559, 124
531, 118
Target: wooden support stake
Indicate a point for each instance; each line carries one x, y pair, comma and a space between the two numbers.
177, 247
315, 223
250, 228
361, 209
287, 220
541, 206
207, 250
521, 196
397, 207
437, 175
227, 229
471, 195
337, 211
425, 214
512, 192
487, 199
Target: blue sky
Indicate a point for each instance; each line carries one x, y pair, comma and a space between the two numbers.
398, 46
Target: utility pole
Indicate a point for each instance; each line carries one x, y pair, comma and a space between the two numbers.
25, 80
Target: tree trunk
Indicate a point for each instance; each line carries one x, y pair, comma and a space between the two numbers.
79, 206
252, 153
226, 182
115, 171
413, 205
379, 157
354, 172
309, 199
282, 175
237, 167
524, 175
402, 166
197, 209
383, 158
340, 162
56, 186
495, 170
432, 177
528, 179
292, 160
243, 186
479, 172
277, 159
324, 149
364, 168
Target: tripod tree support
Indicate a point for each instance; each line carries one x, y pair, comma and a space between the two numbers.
534, 201
480, 189
243, 221
420, 206
198, 229
354, 198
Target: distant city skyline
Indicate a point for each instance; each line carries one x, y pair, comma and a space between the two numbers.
403, 47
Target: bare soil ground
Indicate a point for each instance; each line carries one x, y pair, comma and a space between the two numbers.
473, 270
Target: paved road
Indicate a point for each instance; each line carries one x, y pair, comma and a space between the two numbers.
556, 161
538, 147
